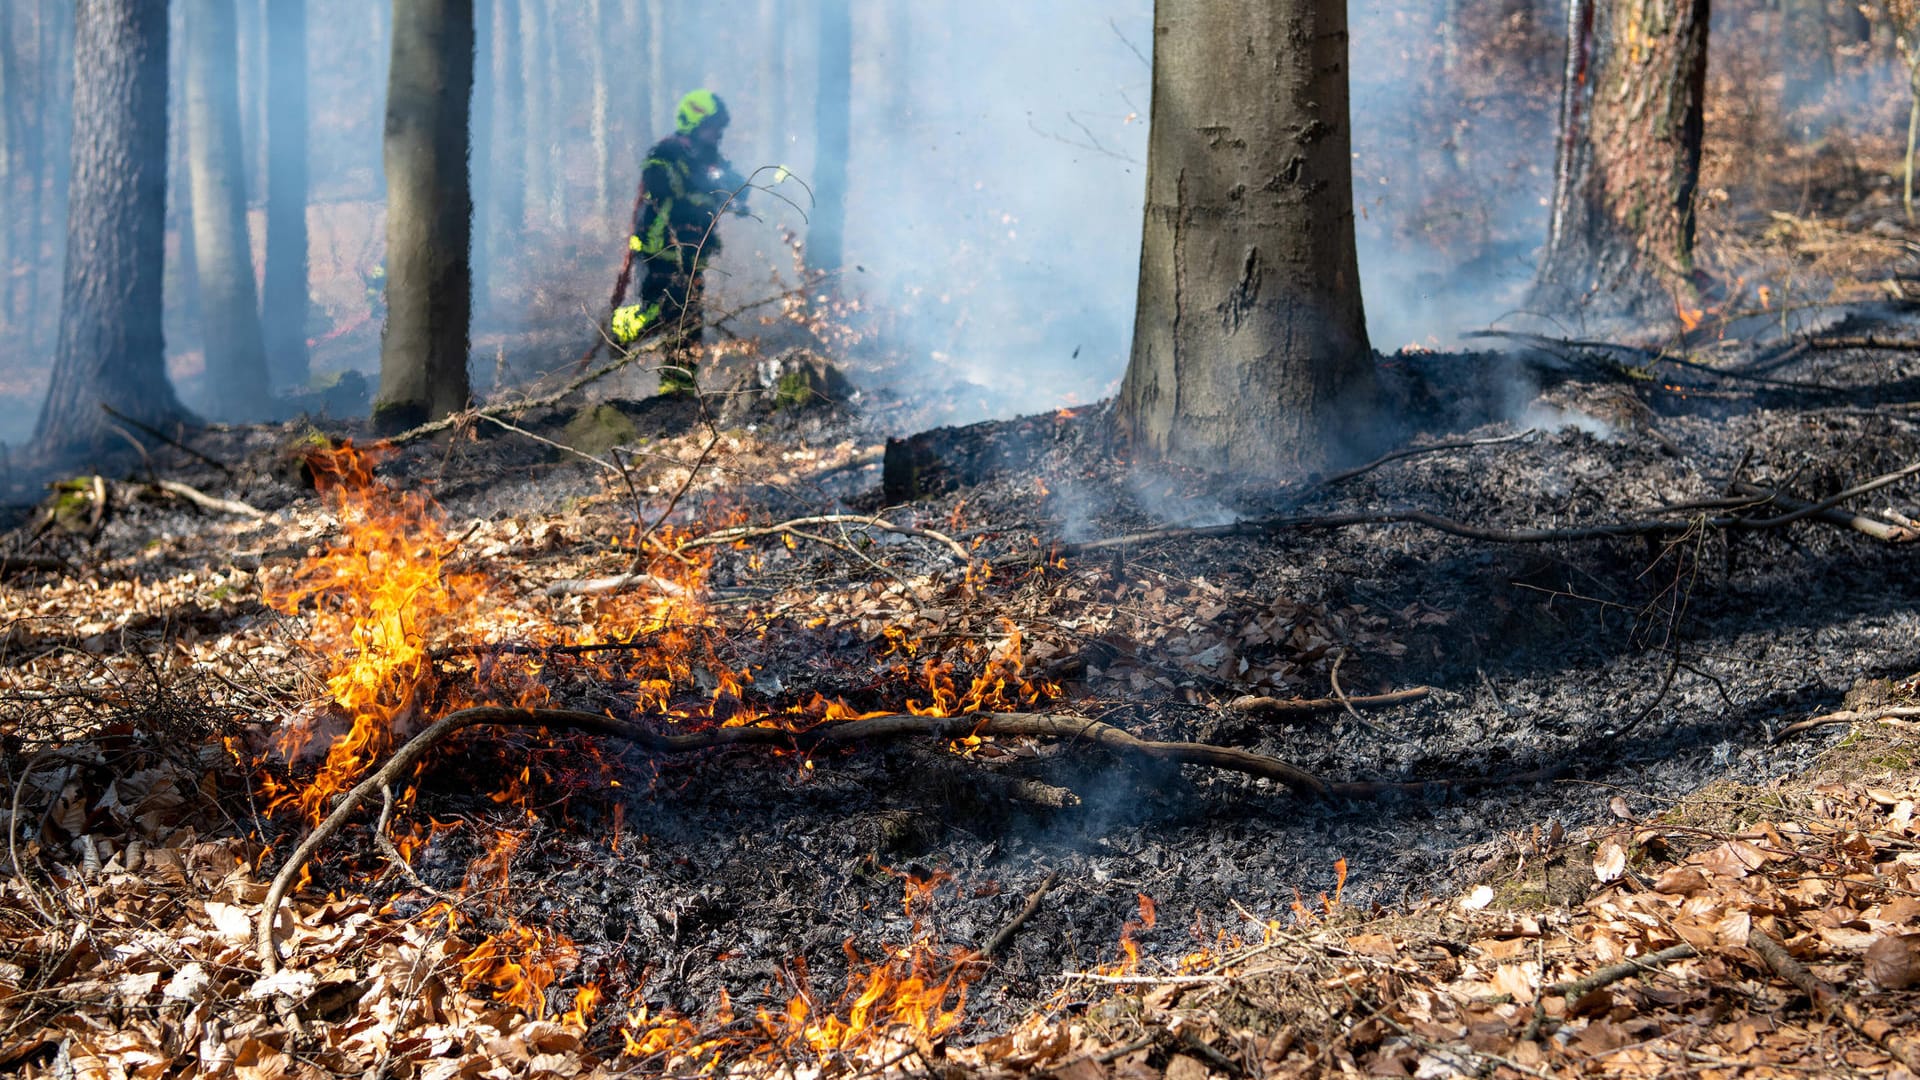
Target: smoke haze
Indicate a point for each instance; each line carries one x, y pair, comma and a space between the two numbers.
996, 178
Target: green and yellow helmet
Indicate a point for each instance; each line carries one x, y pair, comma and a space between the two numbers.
697, 108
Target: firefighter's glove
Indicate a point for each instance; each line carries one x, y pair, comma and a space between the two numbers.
633, 320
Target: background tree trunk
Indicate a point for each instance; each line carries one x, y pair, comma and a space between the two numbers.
826, 232
1809, 57
1250, 348
284, 288
111, 349
537, 93
507, 202
1621, 239
660, 92
236, 376
598, 26
423, 350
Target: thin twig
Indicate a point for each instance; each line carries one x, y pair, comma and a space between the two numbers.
1333, 679
1412, 451
747, 532
208, 502
168, 439
1845, 716
1005, 936
1308, 706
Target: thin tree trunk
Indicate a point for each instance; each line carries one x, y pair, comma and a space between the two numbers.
285, 289
111, 348
826, 233
423, 350
538, 95
1250, 350
777, 15
507, 181
10, 136
598, 25
236, 378
486, 91
1809, 53
554, 123
1620, 244
659, 91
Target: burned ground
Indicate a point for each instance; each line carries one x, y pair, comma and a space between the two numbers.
1566, 675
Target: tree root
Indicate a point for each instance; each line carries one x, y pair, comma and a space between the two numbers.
404, 760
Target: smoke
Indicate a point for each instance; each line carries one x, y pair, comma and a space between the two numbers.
997, 174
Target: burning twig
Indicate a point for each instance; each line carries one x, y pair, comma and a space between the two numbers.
1002, 939
887, 726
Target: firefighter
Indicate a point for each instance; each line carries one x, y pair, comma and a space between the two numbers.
684, 186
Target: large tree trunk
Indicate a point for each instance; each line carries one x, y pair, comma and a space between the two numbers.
826, 232
111, 349
1621, 240
1250, 348
423, 350
236, 376
284, 303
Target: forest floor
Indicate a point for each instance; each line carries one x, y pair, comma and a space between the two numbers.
1615, 663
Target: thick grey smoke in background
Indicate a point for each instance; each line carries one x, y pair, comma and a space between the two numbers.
997, 175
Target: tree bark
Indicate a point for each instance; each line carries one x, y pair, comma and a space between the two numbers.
236, 373
284, 303
423, 349
833, 120
1620, 245
1250, 349
111, 349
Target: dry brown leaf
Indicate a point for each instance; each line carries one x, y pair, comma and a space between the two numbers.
1609, 860
1893, 961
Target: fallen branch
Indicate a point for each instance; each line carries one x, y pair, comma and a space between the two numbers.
748, 532
168, 439
401, 765
1270, 706
208, 502
1001, 939
1846, 716
29, 564
1874, 527
1867, 342
1606, 976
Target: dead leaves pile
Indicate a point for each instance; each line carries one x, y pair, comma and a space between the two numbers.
1465, 987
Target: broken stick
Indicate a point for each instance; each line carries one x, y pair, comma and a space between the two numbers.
1005, 936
